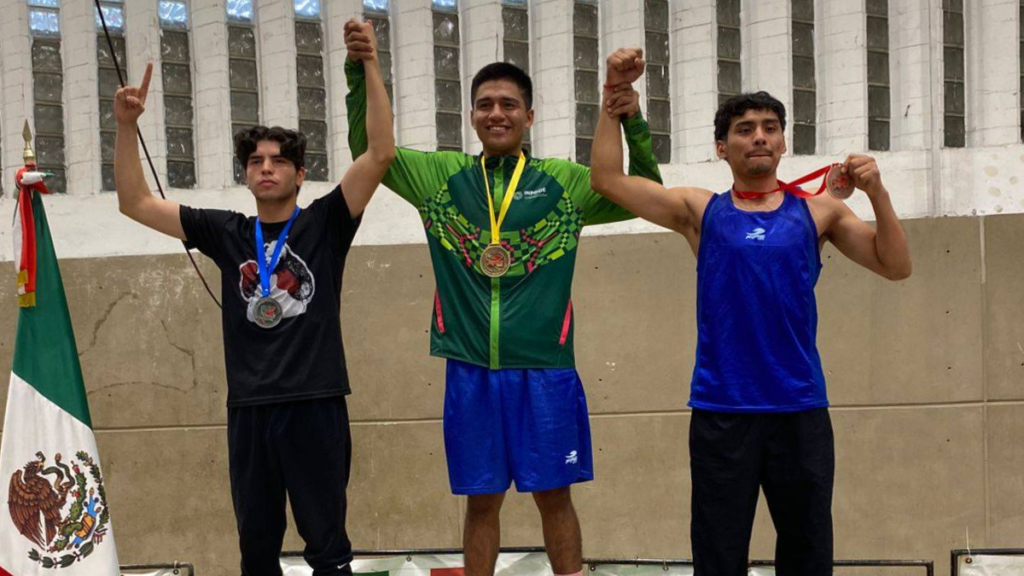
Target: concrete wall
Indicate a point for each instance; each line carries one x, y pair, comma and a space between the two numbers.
925, 379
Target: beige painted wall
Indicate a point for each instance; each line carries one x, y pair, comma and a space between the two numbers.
926, 379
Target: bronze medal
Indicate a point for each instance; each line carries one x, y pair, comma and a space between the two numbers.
495, 261
267, 312
839, 185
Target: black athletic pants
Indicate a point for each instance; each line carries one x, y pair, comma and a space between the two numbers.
792, 457
303, 449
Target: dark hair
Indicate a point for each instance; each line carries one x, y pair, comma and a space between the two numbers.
504, 71
739, 105
293, 143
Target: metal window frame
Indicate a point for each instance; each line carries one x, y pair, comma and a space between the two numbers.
955, 555
177, 566
588, 137
374, 17
961, 118
36, 103
719, 59
171, 92
438, 111
668, 66
887, 85
318, 22
525, 9
794, 19
239, 171
927, 567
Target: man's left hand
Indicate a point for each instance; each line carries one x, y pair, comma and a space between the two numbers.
864, 173
622, 101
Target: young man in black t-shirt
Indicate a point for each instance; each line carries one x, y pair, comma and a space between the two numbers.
281, 277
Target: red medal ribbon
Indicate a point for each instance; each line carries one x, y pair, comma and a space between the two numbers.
792, 187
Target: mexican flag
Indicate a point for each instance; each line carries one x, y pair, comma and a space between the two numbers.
56, 520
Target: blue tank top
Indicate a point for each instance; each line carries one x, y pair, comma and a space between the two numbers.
757, 318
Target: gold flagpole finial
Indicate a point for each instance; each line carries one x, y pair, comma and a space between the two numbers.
29, 155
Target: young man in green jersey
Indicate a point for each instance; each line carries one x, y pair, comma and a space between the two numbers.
502, 228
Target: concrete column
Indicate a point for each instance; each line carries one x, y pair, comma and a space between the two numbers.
81, 96
214, 148
412, 22
767, 54
695, 79
15, 87
910, 71
554, 84
335, 14
143, 47
483, 35
993, 72
275, 31
842, 77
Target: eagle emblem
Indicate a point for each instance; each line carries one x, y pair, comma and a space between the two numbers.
60, 509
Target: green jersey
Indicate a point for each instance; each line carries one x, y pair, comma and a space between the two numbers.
523, 319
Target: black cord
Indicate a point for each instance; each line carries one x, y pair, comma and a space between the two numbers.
152, 168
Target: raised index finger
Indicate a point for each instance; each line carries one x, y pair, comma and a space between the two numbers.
144, 88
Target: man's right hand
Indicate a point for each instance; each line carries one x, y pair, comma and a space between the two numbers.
625, 65
130, 102
360, 41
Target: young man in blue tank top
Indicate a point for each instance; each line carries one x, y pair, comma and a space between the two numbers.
760, 416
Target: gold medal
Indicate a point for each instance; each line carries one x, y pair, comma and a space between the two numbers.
495, 261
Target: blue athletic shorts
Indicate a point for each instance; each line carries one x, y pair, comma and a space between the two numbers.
530, 426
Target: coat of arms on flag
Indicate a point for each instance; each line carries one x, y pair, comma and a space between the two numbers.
57, 516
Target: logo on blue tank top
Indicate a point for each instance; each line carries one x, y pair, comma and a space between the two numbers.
756, 234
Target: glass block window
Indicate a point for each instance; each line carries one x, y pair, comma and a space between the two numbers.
243, 77
515, 18
879, 114
240, 11
953, 73
587, 70
173, 14
48, 90
307, 9
109, 82
805, 97
730, 75
113, 15
659, 102
309, 42
179, 111
447, 83
44, 18
377, 12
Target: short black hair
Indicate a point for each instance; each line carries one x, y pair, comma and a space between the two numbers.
504, 71
293, 144
739, 105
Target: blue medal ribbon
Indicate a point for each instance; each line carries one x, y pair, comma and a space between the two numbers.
266, 268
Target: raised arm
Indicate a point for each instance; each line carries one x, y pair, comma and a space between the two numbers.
134, 198
413, 175
365, 174
644, 197
883, 249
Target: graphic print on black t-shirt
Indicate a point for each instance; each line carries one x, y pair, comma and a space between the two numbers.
303, 357
291, 283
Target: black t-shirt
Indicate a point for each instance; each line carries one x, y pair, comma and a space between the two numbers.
302, 357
